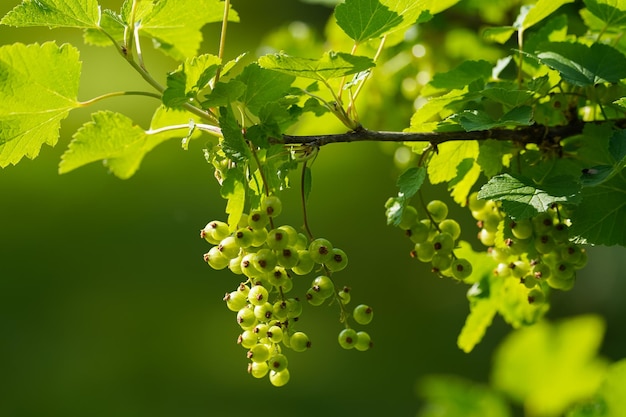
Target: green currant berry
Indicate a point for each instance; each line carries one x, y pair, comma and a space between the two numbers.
582, 262
323, 285
272, 206
519, 269
344, 295
264, 260
347, 338
247, 266
277, 277
571, 253
540, 271
244, 237
560, 233
536, 296
259, 236
486, 237
229, 247
299, 342
258, 219
544, 244
235, 265
419, 232
474, 204
287, 257
364, 341
294, 308
451, 227
461, 268
214, 232
279, 379
259, 353
441, 262
236, 300
408, 218
263, 312
277, 239
314, 298
278, 362
491, 222
246, 318
338, 260
561, 282
305, 263
521, 229
275, 334
302, 242
247, 339
291, 232
321, 250
363, 314
438, 210
424, 251
542, 223
215, 259
443, 244
258, 369
258, 295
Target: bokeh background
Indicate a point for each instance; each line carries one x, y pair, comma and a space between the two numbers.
106, 308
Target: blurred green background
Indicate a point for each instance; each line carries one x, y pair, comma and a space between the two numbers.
107, 309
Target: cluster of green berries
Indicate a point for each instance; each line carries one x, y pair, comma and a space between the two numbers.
536, 251
435, 236
268, 257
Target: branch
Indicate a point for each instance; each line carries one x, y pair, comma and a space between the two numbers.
537, 134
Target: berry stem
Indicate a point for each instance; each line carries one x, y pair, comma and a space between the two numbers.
305, 218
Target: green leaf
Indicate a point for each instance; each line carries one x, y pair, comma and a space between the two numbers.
499, 34
493, 155
54, 13
464, 74
38, 88
474, 120
508, 97
111, 24
443, 166
478, 320
451, 396
175, 24
584, 65
369, 19
410, 181
562, 369
467, 173
523, 198
331, 65
613, 389
223, 94
613, 12
541, 10
234, 144
114, 139
184, 84
234, 190
263, 86
600, 218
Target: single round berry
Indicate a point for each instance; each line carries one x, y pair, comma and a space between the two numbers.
258, 219
451, 227
419, 232
258, 295
244, 237
259, 353
305, 263
521, 229
272, 206
364, 341
291, 232
363, 314
216, 259
536, 296
277, 239
236, 300
443, 243
275, 335
264, 260
287, 257
338, 260
246, 318
229, 247
347, 338
278, 362
279, 379
214, 232
258, 369
408, 218
321, 250
461, 268
247, 339
438, 210
299, 342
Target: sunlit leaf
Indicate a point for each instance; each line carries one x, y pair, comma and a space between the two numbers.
189, 79
331, 65
541, 10
549, 367
54, 13
462, 75
612, 12
234, 190
234, 144
38, 88
443, 166
478, 320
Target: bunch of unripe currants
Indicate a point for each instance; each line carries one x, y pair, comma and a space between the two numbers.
537, 251
435, 237
269, 257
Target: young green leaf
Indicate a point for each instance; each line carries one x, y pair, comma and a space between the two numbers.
223, 94
563, 368
111, 25
443, 166
234, 190
492, 155
114, 139
539, 11
38, 88
523, 198
175, 24
464, 74
263, 86
331, 65
234, 144
584, 65
54, 13
184, 84
410, 181
478, 320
